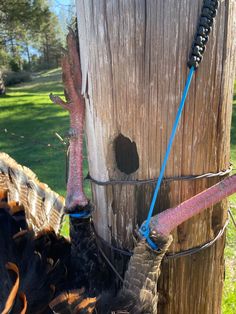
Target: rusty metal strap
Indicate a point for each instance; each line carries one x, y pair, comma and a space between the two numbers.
188, 252
154, 180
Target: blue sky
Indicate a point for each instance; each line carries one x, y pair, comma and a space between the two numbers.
64, 9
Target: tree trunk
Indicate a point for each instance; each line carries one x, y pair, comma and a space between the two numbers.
133, 57
28, 55
2, 85
13, 50
46, 51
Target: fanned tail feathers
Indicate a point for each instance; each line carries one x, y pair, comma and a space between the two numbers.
32, 267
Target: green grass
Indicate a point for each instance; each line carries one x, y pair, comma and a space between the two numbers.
27, 111
229, 296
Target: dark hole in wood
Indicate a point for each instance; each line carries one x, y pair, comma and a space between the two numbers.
126, 154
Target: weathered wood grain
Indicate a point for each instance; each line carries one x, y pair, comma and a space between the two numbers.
134, 55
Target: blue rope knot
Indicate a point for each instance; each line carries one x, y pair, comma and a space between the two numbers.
145, 232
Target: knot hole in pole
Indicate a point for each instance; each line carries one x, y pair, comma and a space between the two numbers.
126, 154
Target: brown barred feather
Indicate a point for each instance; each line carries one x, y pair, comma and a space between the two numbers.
74, 302
43, 206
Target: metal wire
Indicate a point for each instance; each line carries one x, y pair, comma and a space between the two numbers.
106, 258
168, 179
121, 251
184, 253
198, 248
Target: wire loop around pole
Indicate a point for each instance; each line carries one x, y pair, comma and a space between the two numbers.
173, 255
154, 180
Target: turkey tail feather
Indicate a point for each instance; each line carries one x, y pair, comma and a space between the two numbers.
32, 267
11, 298
43, 206
74, 302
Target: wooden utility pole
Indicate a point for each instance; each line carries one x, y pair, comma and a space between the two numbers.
133, 57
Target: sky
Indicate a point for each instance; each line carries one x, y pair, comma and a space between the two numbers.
64, 9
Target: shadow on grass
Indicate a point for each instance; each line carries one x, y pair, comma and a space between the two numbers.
5, 96
30, 109
42, 82
28, 95
41, 87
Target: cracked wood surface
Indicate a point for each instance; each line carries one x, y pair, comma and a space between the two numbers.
133, 58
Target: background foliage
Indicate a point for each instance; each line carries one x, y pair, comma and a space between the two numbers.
31, 37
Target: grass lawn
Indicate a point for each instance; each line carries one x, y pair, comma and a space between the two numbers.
28, 112
229, 297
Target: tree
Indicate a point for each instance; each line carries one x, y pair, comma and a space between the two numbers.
2, 86
18, 20
134, 56
29, 23
50, 43
3, 61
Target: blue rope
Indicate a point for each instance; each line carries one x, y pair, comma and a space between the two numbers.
144, 229
83, 214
